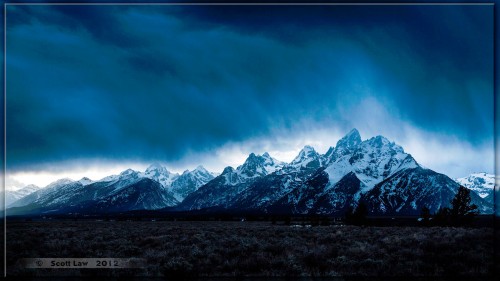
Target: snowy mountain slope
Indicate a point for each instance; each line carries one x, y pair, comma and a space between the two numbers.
145, 194
302, 197
352, 168
65, 193
258, 166
257, 183
52, 198
218, 192
372, 161
46, 191
58, 183
269, 189
271, 164
160, 174
225, 188
266, 190
13, 195
189, 182
338, 199
85, 181
481, 183
375, 170
335, 181
344, 146
409, 190
308, 158
123, 192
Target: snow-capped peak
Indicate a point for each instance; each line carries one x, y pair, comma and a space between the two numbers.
127, 172
349, 141
372, 161
259, 165
227, 170
160, 174
200, 169
85, 181
201, 173
190, 181
308, 149
381, 141
110, 178
271, 164
231, 175
129, 175
306, 157
482, 183
345, 146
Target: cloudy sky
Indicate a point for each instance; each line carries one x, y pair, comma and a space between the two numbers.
93, 90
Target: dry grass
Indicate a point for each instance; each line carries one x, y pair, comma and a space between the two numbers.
201, 249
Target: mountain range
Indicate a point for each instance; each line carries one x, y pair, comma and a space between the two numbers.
376, 171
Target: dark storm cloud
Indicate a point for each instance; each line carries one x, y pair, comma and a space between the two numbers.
153, 83
432, 59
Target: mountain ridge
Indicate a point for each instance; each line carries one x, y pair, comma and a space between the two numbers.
376, 170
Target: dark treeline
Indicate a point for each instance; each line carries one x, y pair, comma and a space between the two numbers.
299, 220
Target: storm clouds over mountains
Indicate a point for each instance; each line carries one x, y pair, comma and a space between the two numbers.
173, 83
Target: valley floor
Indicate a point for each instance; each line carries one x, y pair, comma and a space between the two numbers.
204, 249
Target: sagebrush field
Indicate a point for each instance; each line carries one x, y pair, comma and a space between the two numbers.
202, 249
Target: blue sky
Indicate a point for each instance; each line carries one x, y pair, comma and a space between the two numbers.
105, 87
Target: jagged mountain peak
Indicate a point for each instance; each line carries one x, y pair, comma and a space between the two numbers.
126, 177
200, 168
372, 161
159, 173
258, 165
308, 148
306, 152
228, 170
190, 181
344, 146
201, 172
156, 170
381, 142
128, 172
350, 140
307, 158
